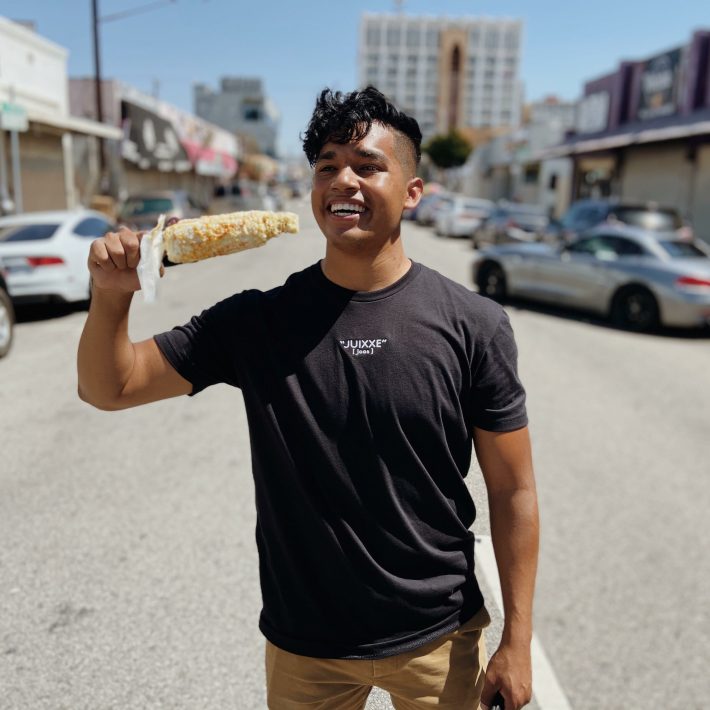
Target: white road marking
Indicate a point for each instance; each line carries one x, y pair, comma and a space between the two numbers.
546, 688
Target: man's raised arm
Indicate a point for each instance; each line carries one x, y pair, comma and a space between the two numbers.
115, 373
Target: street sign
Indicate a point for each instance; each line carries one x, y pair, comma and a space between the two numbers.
13, 117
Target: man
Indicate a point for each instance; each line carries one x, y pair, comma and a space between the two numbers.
367, 378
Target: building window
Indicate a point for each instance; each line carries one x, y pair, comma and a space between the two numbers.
393, 36
373, 36
511, 39
413, 37
492, 39
432, 38
252, 113
474, 37
531, 174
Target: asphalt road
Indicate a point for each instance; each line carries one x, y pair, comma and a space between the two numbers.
128, 571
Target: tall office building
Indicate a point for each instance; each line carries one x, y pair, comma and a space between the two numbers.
242, 107
447, 73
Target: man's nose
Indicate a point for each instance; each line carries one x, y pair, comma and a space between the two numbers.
345, 177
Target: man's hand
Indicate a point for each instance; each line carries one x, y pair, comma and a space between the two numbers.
509, 672
113, 260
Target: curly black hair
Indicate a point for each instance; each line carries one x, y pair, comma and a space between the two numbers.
346, 118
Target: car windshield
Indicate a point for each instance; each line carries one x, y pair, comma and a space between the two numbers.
147, 205
656, 220
27, 232
682, 250
477, 205
525, 211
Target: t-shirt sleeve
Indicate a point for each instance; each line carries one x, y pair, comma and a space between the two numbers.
498, 396
205, 351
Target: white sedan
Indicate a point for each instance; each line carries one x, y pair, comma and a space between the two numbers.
45, 254
461, 216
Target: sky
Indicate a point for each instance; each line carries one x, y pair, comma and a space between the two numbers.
298, 48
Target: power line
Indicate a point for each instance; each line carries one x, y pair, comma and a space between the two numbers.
136, 10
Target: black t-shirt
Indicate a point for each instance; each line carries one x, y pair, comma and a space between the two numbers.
361, 407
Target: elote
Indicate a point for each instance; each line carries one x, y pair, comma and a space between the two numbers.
196, 239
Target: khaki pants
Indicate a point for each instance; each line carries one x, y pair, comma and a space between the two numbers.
445, 673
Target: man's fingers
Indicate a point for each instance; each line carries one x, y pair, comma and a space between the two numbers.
99, 256
115, 249
131, 247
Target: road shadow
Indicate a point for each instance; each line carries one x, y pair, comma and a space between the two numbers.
33, 312
600, 322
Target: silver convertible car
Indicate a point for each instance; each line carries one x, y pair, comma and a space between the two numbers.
639, 279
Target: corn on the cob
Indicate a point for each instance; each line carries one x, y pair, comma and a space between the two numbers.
196, 239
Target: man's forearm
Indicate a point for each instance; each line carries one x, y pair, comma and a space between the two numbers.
106, 356
515, 535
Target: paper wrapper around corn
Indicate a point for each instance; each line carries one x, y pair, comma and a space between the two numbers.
197, 239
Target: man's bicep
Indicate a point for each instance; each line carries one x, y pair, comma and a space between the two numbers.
505, 458
153, 378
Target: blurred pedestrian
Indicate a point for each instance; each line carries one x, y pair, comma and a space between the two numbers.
368, 379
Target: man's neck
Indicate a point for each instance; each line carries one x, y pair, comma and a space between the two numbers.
365, 272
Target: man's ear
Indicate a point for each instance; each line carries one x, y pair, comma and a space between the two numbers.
415, 187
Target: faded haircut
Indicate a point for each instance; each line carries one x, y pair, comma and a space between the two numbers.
347, 118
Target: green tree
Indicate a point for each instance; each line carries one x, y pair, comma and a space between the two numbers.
448, 151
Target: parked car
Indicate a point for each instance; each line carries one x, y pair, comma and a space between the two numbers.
585, 214
7, 314
463, 216
244, 195
511, 222
426, 213
140, 211
638, 278
45, 253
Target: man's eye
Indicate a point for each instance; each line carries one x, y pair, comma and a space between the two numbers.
369, 168
326, 168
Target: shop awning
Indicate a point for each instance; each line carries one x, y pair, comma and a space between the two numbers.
74, 124
209, 161
634, 134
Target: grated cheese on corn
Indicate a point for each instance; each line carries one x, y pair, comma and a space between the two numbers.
195, 239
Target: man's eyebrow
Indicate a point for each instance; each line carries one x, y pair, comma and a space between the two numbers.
372, 154
328, 155
361, 152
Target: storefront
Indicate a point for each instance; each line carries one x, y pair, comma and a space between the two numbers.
38, 136
162, 146
643, 133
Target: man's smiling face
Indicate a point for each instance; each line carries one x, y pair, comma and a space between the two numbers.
360, 189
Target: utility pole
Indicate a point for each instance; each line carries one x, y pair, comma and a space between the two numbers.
97, 90
95, 25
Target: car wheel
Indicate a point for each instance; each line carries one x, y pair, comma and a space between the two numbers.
7, 323
491, 281
635, 308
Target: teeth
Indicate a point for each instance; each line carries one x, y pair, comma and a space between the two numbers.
346, 207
